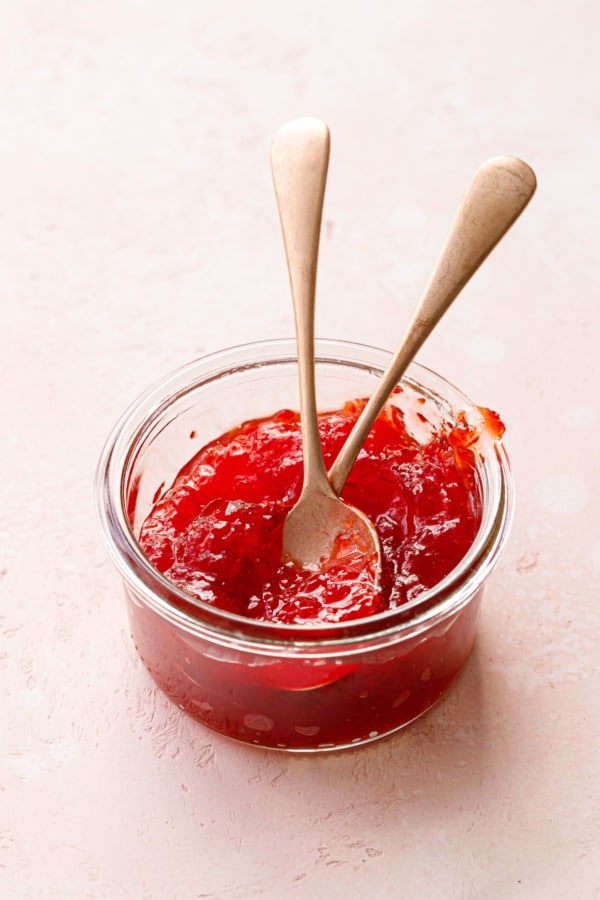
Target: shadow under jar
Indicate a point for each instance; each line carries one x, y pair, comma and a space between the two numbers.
291, 687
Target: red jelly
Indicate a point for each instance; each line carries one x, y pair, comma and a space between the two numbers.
217, 532
258, 650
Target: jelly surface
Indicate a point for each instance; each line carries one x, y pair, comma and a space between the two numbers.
217, 531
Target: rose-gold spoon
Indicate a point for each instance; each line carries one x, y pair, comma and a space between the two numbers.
320, 529
499, 192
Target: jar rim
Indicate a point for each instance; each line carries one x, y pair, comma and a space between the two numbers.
177, 606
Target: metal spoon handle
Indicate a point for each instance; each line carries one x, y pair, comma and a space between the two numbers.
299, 162
498, 193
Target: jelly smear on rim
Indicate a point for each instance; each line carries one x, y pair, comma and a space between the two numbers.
217, 531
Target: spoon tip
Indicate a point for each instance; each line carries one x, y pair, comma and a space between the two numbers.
305, 126
515, 167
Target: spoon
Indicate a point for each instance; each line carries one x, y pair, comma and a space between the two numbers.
497, 195
320, 530
499, 192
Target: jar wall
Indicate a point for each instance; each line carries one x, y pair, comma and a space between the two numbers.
299, 703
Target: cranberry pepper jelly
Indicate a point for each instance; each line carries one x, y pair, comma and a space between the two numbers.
259, 649
217, 532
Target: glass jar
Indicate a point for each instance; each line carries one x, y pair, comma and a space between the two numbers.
291, 687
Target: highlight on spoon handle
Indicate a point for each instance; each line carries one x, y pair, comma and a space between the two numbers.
499, 192
299, 163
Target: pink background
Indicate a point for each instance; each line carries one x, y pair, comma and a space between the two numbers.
138, 229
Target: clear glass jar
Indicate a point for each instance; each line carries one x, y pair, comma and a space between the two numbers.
296, 688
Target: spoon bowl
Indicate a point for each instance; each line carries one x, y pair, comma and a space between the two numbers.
321, 531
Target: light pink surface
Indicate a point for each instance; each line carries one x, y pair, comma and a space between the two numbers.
138, 229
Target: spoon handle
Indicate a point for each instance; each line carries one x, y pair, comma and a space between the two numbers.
299, 162
499, 192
